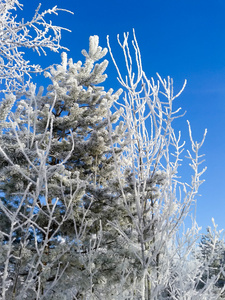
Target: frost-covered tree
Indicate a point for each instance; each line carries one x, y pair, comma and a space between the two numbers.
91, 203
56, 155
190, 270
157, 202
212, 254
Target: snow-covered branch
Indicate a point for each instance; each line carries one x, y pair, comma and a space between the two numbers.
37, 34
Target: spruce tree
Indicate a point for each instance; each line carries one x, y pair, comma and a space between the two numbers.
212, 255
57, 157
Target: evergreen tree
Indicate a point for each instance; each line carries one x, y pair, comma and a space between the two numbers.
212, 254
57, 148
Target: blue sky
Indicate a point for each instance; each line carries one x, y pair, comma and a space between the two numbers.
184, 39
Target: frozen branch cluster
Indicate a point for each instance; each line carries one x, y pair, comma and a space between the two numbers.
91, 203
37, 34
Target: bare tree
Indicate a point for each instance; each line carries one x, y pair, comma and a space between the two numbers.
156, 202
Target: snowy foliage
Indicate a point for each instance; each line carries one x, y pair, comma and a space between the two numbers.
91, 204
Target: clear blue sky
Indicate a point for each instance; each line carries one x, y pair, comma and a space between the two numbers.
184, 39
